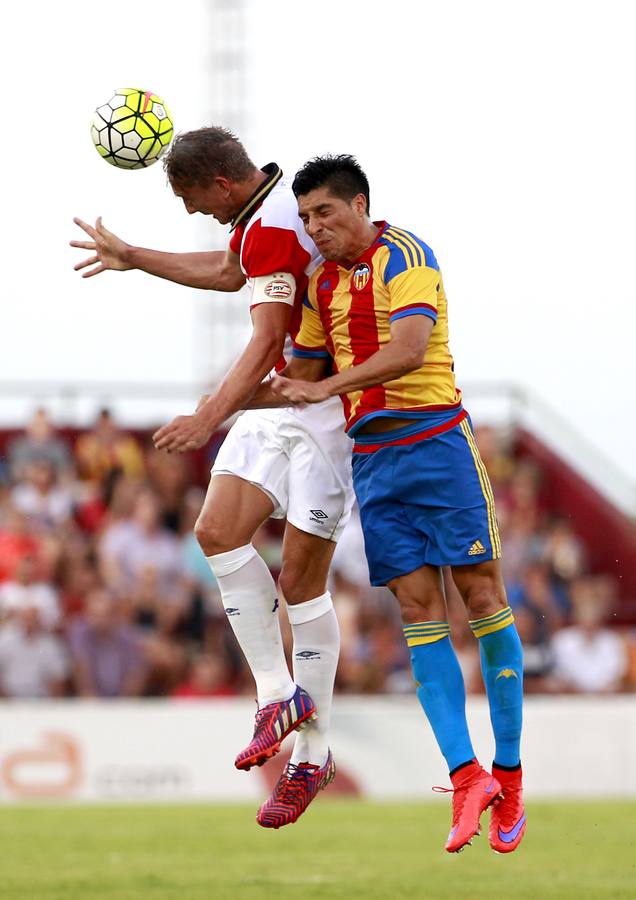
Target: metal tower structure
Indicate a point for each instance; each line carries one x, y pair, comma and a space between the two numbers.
222, 321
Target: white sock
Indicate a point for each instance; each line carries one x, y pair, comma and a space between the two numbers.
316, 649
251, 605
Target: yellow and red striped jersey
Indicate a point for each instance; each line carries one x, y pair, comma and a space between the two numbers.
347, 314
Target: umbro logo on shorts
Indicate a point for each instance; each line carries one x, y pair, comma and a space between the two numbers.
319, 514
476, 549
308, 654
232, 611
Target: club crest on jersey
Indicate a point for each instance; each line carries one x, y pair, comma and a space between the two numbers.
278, 289
361, 276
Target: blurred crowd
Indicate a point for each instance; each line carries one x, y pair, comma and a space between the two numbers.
105, 593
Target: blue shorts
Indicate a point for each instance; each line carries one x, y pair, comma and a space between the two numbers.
426, 502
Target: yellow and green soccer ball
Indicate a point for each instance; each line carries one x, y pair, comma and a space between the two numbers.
132, 129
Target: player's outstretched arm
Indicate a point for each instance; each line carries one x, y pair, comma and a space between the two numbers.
271, 321
214, 270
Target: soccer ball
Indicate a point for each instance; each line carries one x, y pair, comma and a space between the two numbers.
133, 129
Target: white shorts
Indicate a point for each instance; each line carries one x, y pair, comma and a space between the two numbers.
301, 458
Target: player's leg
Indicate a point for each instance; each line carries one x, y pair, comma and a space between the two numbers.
232, 512
501, 655
316, 647
440, 690
402, 495
315, 632
438, 677
468, 536
491, 620
320, 499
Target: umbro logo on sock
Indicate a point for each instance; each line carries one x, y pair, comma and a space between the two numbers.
476, 549
232, 611
308, 654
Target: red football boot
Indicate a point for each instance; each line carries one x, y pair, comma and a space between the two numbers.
508, 817
273, 723
294, 791
473, 791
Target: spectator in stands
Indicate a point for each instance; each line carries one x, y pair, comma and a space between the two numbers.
158, 616
78, 578
33, 662
564, 552
495, 451
538, 654
630, 644
131, 546
46, 503
170, 476
106, 657
16, 541
208, 676
522, 496
39, 442
25, 590
105, 449
195, 563
589, 657
153, 607
138, 536
538, 594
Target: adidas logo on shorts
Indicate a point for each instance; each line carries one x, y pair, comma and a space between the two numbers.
476, 549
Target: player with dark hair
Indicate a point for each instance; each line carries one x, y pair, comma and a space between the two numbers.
273, 462
376, 307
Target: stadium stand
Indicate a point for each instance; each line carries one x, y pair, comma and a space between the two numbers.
105, 593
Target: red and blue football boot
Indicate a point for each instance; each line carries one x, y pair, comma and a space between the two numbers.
273, 723
508, 817
474, 790
294, 791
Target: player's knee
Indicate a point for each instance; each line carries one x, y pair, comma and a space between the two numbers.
290, 582
483, 597
418, 606
298, 583
211, 535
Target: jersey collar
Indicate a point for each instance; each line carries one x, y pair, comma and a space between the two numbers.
274, 174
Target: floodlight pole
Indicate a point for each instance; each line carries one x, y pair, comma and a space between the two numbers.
222, 323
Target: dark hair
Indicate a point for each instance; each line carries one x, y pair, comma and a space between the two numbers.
341, 173
198, 157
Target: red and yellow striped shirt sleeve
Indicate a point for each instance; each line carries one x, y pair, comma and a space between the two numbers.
414, 292
310, 342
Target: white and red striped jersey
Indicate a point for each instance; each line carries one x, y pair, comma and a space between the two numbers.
271, 242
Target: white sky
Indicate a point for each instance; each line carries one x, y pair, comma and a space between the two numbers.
502, 133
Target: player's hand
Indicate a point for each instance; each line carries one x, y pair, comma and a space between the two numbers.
296, 391
110, 252
182, 434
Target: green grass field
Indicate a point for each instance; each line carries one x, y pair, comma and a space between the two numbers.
340, 849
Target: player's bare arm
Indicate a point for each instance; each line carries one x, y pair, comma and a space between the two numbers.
270, 321
268, 396
214, 270
402, 354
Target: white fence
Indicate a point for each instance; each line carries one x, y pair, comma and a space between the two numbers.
183, 750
